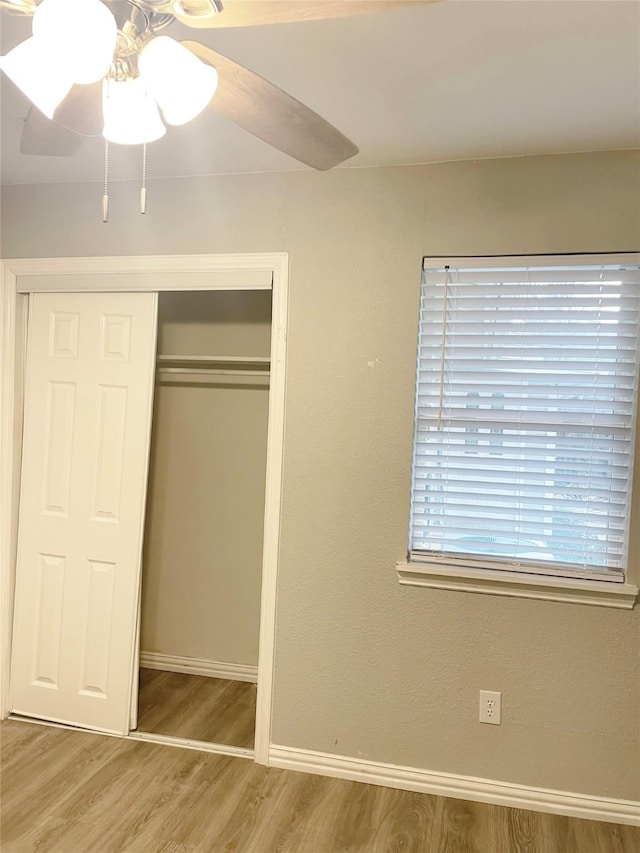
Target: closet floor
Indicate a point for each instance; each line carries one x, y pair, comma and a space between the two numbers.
197, 707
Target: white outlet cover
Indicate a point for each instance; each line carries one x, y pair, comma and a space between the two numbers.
490, 707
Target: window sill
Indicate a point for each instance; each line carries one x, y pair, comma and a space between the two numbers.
518, 585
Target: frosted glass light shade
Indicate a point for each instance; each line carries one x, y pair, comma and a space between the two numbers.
182, 84
83, 33
33, 68
131, 115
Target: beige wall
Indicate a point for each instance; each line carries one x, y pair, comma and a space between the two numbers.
203, 539
365, 667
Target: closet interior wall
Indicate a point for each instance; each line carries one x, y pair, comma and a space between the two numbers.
202, 558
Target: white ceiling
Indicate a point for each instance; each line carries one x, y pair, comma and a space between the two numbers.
455, 80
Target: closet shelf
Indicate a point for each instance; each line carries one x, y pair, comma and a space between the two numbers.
210, 360
207, 365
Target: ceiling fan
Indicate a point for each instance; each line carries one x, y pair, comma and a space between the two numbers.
131, 70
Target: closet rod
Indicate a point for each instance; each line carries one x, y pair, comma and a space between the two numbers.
209, 379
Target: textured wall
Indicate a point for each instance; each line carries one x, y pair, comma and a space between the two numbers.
203, 539
365, 667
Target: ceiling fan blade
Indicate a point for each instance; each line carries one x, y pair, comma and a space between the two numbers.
267, 112
43, 136
81, 110
253, 13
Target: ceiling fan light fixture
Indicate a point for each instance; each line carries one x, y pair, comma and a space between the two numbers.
131, 115
33, 68
181, 83
84, 32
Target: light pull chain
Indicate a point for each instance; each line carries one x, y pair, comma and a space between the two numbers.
143, 191
105, 197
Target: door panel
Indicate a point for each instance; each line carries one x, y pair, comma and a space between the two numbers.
88, 401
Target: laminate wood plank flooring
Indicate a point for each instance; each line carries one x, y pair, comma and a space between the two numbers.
197, 707
74, 792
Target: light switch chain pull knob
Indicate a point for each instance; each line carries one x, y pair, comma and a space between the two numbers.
143, 191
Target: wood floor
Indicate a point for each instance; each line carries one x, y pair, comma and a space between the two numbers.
197, 707
74, 792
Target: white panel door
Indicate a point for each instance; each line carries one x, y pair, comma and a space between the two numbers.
88, 401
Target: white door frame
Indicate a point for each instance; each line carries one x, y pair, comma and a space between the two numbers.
142, 273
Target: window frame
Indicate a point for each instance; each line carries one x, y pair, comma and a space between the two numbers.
483, 575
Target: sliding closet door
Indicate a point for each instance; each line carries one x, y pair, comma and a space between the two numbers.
89, 388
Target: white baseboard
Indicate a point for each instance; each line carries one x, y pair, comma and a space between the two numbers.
459, 787
199, 666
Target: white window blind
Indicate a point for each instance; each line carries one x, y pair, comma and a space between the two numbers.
525, 413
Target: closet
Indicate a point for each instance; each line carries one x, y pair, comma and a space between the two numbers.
134, 400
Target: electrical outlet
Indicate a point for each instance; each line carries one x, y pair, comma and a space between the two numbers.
490, 707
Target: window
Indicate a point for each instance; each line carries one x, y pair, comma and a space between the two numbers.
526, 397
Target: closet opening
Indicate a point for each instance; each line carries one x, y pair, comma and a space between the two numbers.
203, 536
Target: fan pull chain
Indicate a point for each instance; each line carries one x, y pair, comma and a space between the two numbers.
143, 191
105, 197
